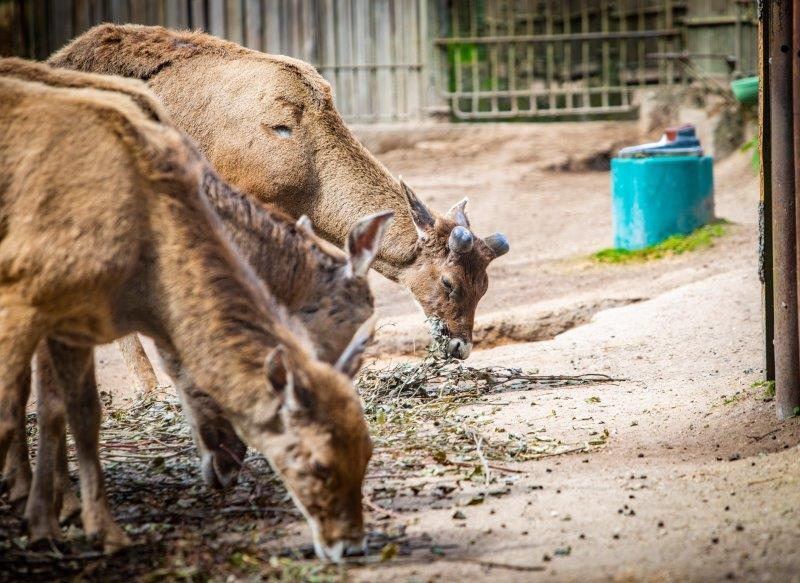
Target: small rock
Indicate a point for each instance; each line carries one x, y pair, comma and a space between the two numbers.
458, 515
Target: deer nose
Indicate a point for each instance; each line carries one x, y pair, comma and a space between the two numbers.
459, 348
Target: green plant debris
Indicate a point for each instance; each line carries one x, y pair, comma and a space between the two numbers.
768, 393
675, 245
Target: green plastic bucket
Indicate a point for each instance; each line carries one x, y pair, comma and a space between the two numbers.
745, 90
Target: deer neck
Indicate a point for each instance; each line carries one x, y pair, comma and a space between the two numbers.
261, 235
221, 321
352, 183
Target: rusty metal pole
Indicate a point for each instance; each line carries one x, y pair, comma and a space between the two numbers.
784, 244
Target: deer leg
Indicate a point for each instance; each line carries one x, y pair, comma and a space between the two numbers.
67, 503
19, 334
41, 510
221, 451
76, 368
139, 365
17, 470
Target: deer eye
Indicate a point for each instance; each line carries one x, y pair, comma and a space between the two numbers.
447, 283
321, 471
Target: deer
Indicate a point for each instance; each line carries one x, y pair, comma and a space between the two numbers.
325, 287
126, 242
268, 125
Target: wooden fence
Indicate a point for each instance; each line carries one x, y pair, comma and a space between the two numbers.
398, 60
371, 51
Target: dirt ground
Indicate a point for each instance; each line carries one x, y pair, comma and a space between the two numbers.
693, 479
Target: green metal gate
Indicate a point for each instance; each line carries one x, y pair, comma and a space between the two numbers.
500, 59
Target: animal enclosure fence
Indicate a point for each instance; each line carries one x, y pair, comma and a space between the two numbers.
371, 51
400, 60
536, 58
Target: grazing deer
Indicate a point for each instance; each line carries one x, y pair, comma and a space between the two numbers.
325, 287
125, 242
267, 123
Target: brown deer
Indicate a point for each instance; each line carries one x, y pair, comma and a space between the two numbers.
125, 242
325, 287
268, 125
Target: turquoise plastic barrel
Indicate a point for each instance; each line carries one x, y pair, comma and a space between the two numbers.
655, 198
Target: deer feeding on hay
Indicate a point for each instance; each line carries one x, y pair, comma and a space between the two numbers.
126, 242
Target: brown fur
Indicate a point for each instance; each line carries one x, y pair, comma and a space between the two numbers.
124, 242
312, 279
237, 103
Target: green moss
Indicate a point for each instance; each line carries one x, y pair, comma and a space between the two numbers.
675, 245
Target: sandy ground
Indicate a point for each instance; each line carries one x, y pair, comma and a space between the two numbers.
698, 480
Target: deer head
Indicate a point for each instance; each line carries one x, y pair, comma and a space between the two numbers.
320, 443
448, 276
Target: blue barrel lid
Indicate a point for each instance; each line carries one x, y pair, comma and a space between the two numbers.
676, 141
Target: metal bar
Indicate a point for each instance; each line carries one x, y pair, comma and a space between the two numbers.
372, 66
787, 366
623, 49
765, 270
606, 52
567, 65
511, 53
549, 72
585, 100
713, 20
475, 72
522, 92
543, 113
552, 38
494, 73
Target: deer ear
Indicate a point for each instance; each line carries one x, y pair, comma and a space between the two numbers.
422, 217
350, 360
458, 213
364, 241
281, 378
305, 223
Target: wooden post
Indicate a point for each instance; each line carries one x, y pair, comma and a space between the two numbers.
784, 247
139, 366
765, 270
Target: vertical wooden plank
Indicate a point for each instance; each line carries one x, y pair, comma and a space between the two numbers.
153, 12
329, 56
216, 17
82, 16
272, 26
606, 55
412, 34
119, 11
233, 21
310, 28
364, 56
344, 38
384, 82
176, 14
401, 46
198, 14
253, 32
138, 11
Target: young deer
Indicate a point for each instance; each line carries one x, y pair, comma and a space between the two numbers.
268, 125
124, 242
325, 287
